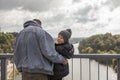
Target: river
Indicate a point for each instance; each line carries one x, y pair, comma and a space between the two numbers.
85, 69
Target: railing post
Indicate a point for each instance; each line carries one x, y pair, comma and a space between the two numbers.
118, 69
3, 69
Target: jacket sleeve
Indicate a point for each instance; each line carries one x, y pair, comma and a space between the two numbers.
48, 49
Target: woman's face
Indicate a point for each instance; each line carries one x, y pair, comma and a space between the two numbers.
60, 39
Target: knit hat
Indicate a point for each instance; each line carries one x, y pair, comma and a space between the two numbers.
66, 34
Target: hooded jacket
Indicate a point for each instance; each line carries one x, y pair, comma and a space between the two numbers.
34, 50
61, 70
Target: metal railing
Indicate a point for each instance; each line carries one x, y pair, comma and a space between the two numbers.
91, 57
4, 57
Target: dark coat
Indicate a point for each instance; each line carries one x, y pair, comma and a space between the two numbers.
67, 51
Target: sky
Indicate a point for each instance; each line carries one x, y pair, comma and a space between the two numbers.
84, 17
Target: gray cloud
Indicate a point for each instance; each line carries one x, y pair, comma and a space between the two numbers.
112, 3
56, 18
83, 11
57, 15
9, 4
76, 0
81, 20
81, 16
100, 26
116, 31
32, 5
115, 3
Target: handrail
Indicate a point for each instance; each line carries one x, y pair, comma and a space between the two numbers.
97, 56
93, 55
4, 57
8, 55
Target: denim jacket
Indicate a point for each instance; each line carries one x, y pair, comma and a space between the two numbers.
34, 50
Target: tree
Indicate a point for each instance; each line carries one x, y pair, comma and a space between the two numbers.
7, 42
101, 44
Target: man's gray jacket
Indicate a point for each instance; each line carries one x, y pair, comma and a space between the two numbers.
34, 50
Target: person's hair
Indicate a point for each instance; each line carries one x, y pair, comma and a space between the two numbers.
38, 21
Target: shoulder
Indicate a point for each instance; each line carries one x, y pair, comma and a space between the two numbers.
68, 45
39, 32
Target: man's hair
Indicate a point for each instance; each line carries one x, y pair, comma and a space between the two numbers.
38, 21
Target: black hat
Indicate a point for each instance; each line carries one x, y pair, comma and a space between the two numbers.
66, 34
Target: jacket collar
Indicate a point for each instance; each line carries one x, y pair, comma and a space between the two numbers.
32, 23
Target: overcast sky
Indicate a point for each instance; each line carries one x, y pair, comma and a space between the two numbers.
84, 17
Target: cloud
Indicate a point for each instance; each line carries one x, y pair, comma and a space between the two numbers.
84, 17
13, 20
75, 1
31, 5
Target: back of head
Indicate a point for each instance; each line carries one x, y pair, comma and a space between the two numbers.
34, 22
37, 21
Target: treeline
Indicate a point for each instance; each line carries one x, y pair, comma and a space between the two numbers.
101, 44
7, 42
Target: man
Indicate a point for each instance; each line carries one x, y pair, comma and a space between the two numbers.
34, 52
